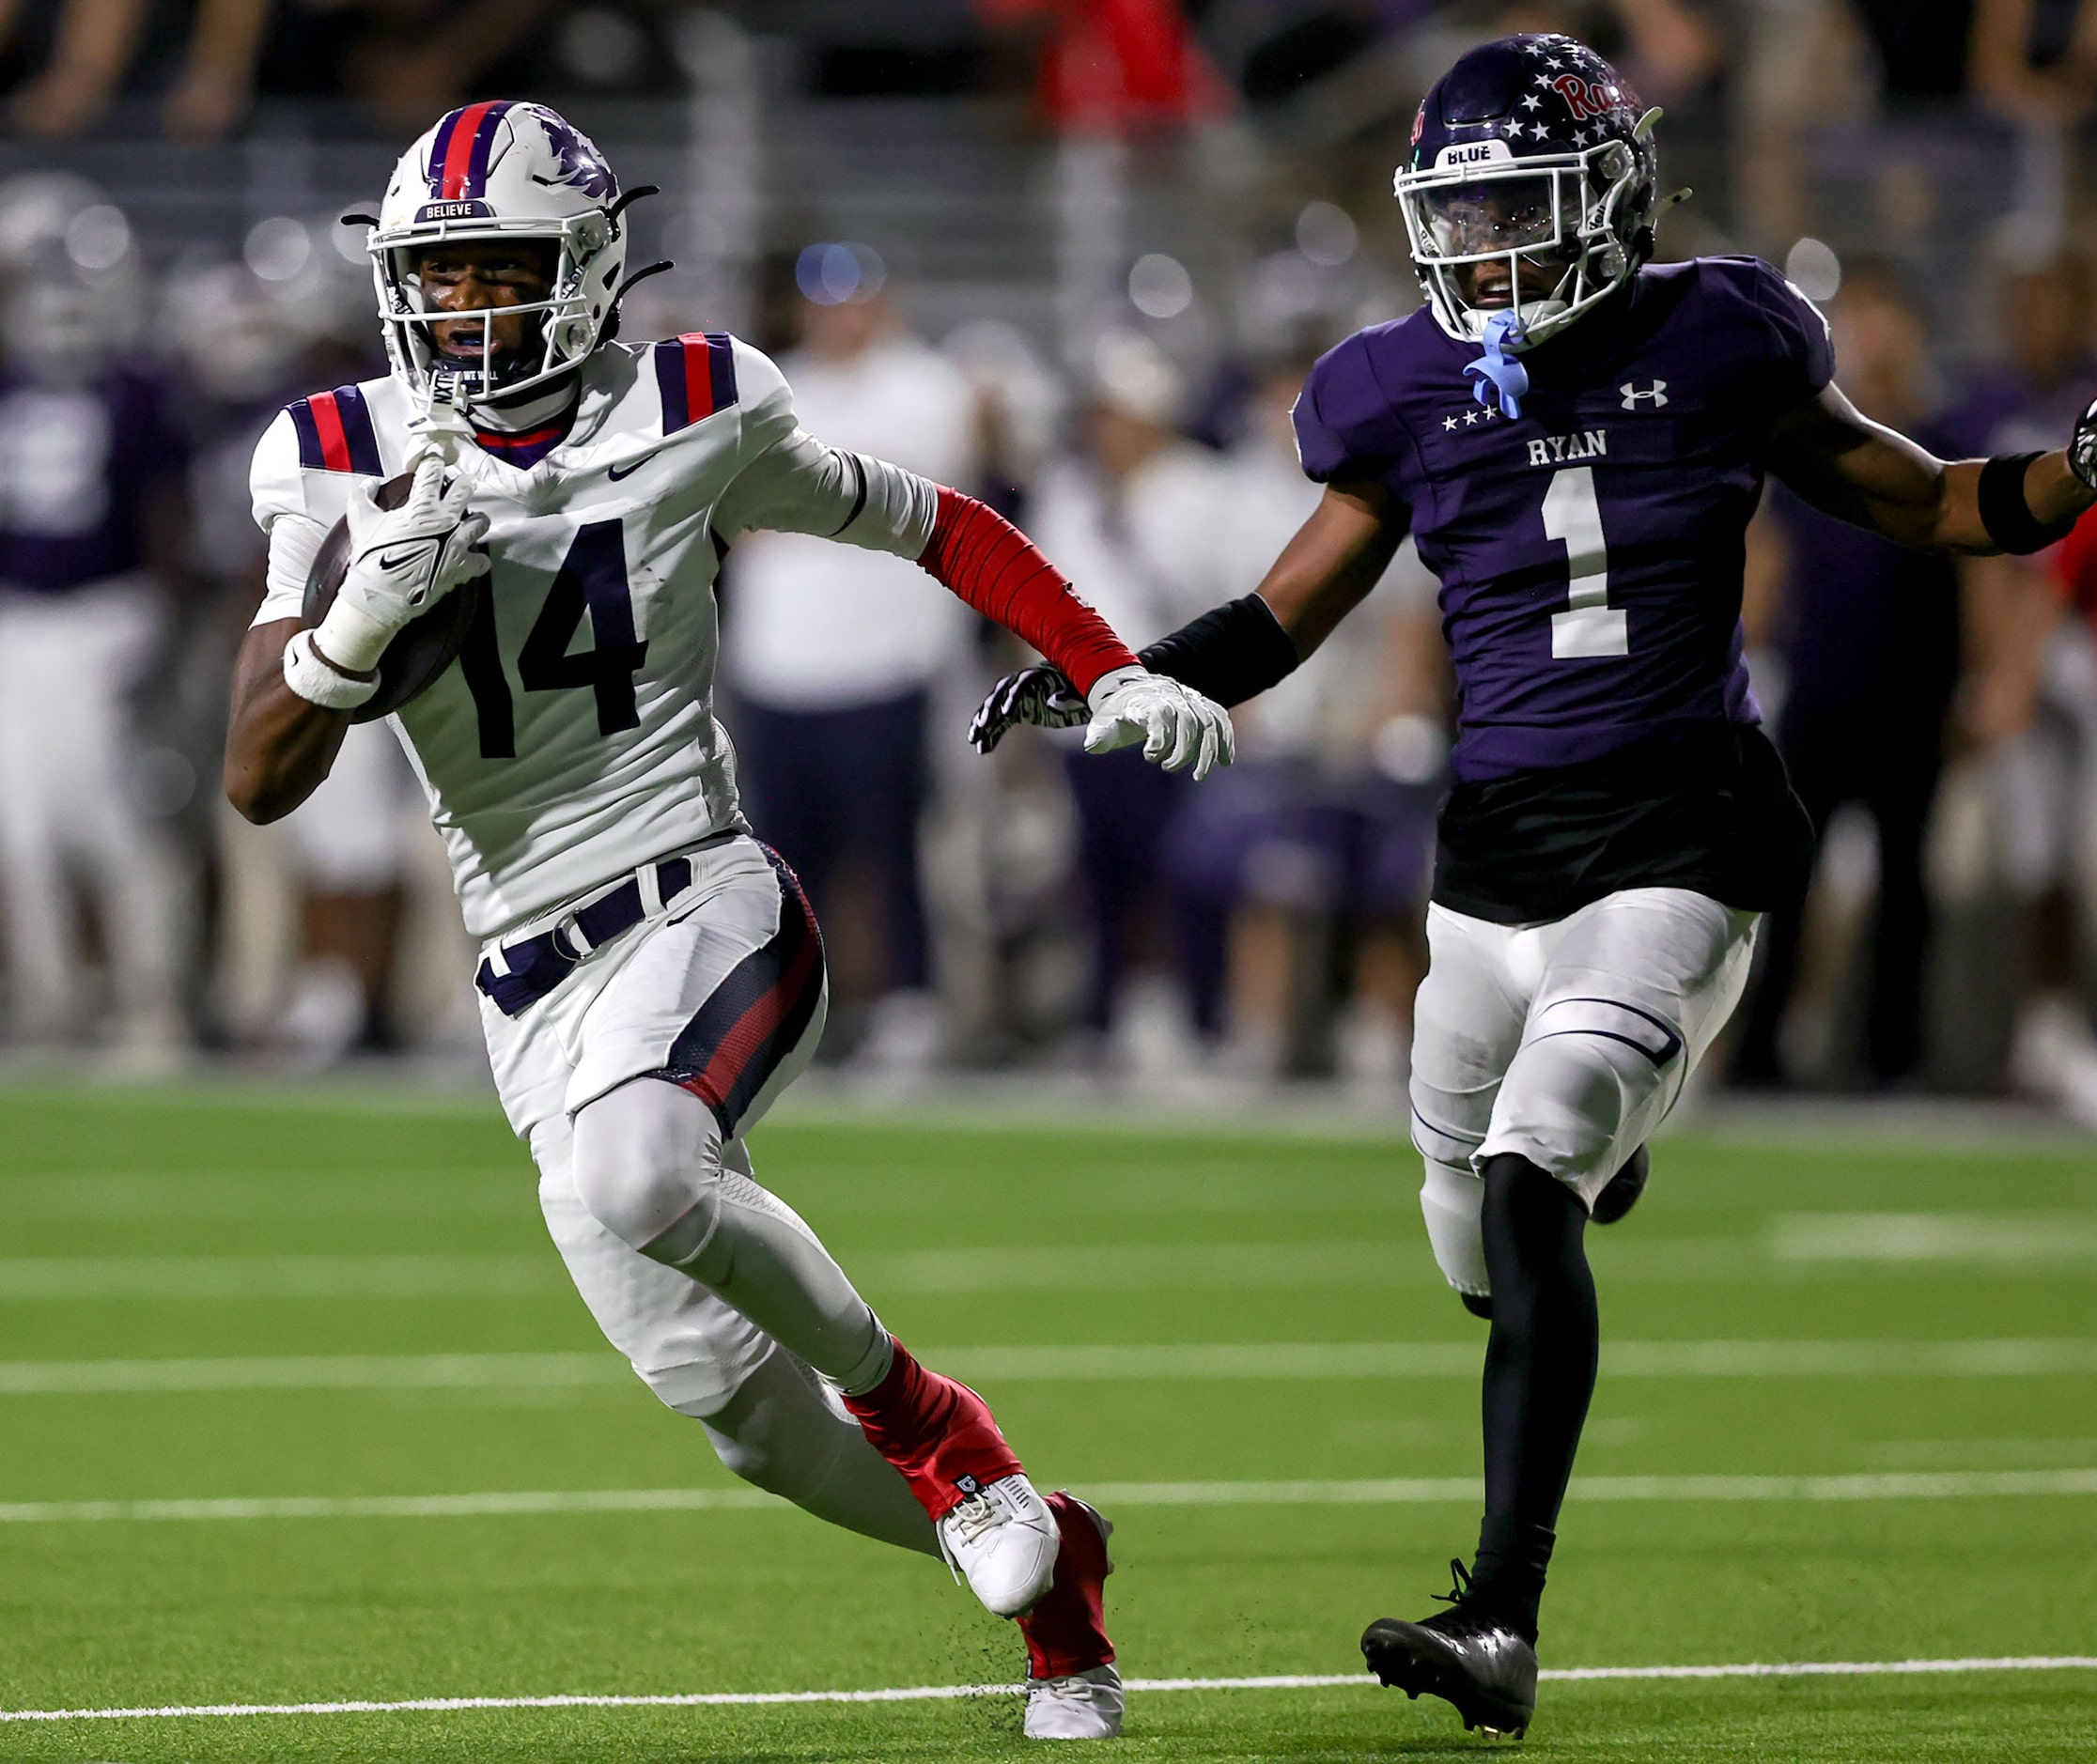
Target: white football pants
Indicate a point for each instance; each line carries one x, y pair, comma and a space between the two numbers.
67, 813
633, 1081
1566, 1043
771, 1419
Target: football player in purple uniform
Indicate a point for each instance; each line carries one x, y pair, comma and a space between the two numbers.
1577, 440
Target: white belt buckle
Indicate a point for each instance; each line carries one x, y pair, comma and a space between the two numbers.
572, 929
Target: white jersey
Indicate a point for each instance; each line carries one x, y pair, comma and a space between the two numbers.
557, 757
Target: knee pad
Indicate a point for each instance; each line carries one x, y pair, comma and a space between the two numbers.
1589, 1071
1452, 1201
649, 1168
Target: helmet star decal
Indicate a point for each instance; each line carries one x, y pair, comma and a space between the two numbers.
1528, 187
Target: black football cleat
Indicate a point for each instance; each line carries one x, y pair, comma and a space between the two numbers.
1478, 1303
1620, 1193
1486, 1669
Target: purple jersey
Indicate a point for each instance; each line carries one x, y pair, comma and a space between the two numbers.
77, 467
1590, 550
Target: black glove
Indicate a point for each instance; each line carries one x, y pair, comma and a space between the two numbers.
2082, 448
1041, 695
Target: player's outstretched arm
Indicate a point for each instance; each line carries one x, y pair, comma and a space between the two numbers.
1861, 472
1335, 559
801, 485
1236, 651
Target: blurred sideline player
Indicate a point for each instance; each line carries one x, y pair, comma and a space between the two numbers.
1578, 442
1131, 510
651, 975
92, 521
247, 344
2036, 704
1310, 854
1870, 638
830, 653
2052, 776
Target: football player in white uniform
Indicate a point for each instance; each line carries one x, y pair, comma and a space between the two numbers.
651, 976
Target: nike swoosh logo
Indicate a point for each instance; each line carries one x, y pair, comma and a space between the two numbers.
616, 473
394, 563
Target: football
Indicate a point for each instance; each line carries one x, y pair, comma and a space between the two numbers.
425, 648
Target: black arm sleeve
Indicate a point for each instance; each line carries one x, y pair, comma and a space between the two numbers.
2005, 515
1232, 653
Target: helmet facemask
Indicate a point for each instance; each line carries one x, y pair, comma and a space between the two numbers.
561, 329
1548, 237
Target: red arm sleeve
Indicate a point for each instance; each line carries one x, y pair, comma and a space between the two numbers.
997, 569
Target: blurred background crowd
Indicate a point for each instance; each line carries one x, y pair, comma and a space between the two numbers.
1073, 255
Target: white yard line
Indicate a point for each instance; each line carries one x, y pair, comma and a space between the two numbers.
1427, 1490
2031, 1357
947, 1692
1388, 1491
314, 1371
491, 1504
40, 1279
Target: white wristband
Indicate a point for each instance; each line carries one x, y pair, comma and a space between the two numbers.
350, 635
319, 683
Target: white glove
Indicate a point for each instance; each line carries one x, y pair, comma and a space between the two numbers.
402, 562
1177, 726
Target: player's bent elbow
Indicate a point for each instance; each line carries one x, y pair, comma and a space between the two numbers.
259, 795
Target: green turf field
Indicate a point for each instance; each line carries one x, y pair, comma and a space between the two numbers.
1848, 1413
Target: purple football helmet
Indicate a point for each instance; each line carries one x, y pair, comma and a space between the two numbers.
1529, 187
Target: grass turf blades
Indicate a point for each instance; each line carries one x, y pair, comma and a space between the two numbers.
280, 1229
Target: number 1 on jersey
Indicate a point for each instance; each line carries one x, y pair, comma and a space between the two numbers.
1589, 626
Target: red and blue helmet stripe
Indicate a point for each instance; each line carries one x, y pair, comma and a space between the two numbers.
336, 434
458, 154
696, 373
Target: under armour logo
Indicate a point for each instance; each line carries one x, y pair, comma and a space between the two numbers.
1657, 392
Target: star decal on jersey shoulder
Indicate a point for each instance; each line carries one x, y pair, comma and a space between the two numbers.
1449, 422
1470, 417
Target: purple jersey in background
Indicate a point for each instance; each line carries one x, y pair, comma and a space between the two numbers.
77, 465
1590, 550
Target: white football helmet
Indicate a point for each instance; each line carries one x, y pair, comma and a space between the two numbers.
501, 171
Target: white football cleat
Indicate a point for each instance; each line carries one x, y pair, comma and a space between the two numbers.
1004, 1538
1084, 1706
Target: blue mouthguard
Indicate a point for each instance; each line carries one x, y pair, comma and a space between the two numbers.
1506, 375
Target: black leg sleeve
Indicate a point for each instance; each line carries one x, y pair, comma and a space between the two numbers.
1539, 1374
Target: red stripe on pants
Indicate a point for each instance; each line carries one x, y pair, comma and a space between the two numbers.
753, 1029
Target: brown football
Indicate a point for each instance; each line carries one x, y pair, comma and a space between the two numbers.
425, 648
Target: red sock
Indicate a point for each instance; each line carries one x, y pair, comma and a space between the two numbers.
1067, 1633
934, 1430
